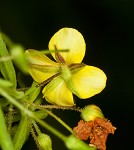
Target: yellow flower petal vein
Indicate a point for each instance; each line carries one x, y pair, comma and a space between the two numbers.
56, 92
89, 81
71, 39
40, 66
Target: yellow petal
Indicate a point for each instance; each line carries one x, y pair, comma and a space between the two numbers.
40, 76
40, 66
89, 81
57, 93
37, 57
71, 39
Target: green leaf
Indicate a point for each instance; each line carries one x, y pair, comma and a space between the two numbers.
5, 140
6, 67
22, 132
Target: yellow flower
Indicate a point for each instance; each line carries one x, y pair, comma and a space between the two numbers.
68, 75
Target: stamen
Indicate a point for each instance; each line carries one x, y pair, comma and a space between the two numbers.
58, 57
76, 66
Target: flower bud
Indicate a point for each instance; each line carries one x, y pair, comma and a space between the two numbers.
44, 141
17, 52
73, 143
91, 112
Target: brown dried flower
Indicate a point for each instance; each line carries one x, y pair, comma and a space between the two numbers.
96, 130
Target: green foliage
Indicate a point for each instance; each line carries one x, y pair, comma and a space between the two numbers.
5, 140
21, 132
6, 67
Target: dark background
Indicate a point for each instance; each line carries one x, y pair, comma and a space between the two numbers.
107, 26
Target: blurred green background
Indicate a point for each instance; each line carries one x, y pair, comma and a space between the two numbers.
108, 29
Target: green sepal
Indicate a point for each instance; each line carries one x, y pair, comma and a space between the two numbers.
91, 112
71, 86
33, 92
40, 114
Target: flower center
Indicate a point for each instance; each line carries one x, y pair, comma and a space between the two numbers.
65, 72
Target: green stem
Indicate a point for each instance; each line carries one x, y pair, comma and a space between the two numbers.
36, 127
54, 116
6, 58
53, 51
10, 118
5, 141
30, 114
35, 138
14, 102
50, 128
59, 120
60, 107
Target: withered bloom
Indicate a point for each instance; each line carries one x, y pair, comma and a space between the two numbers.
97, 131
